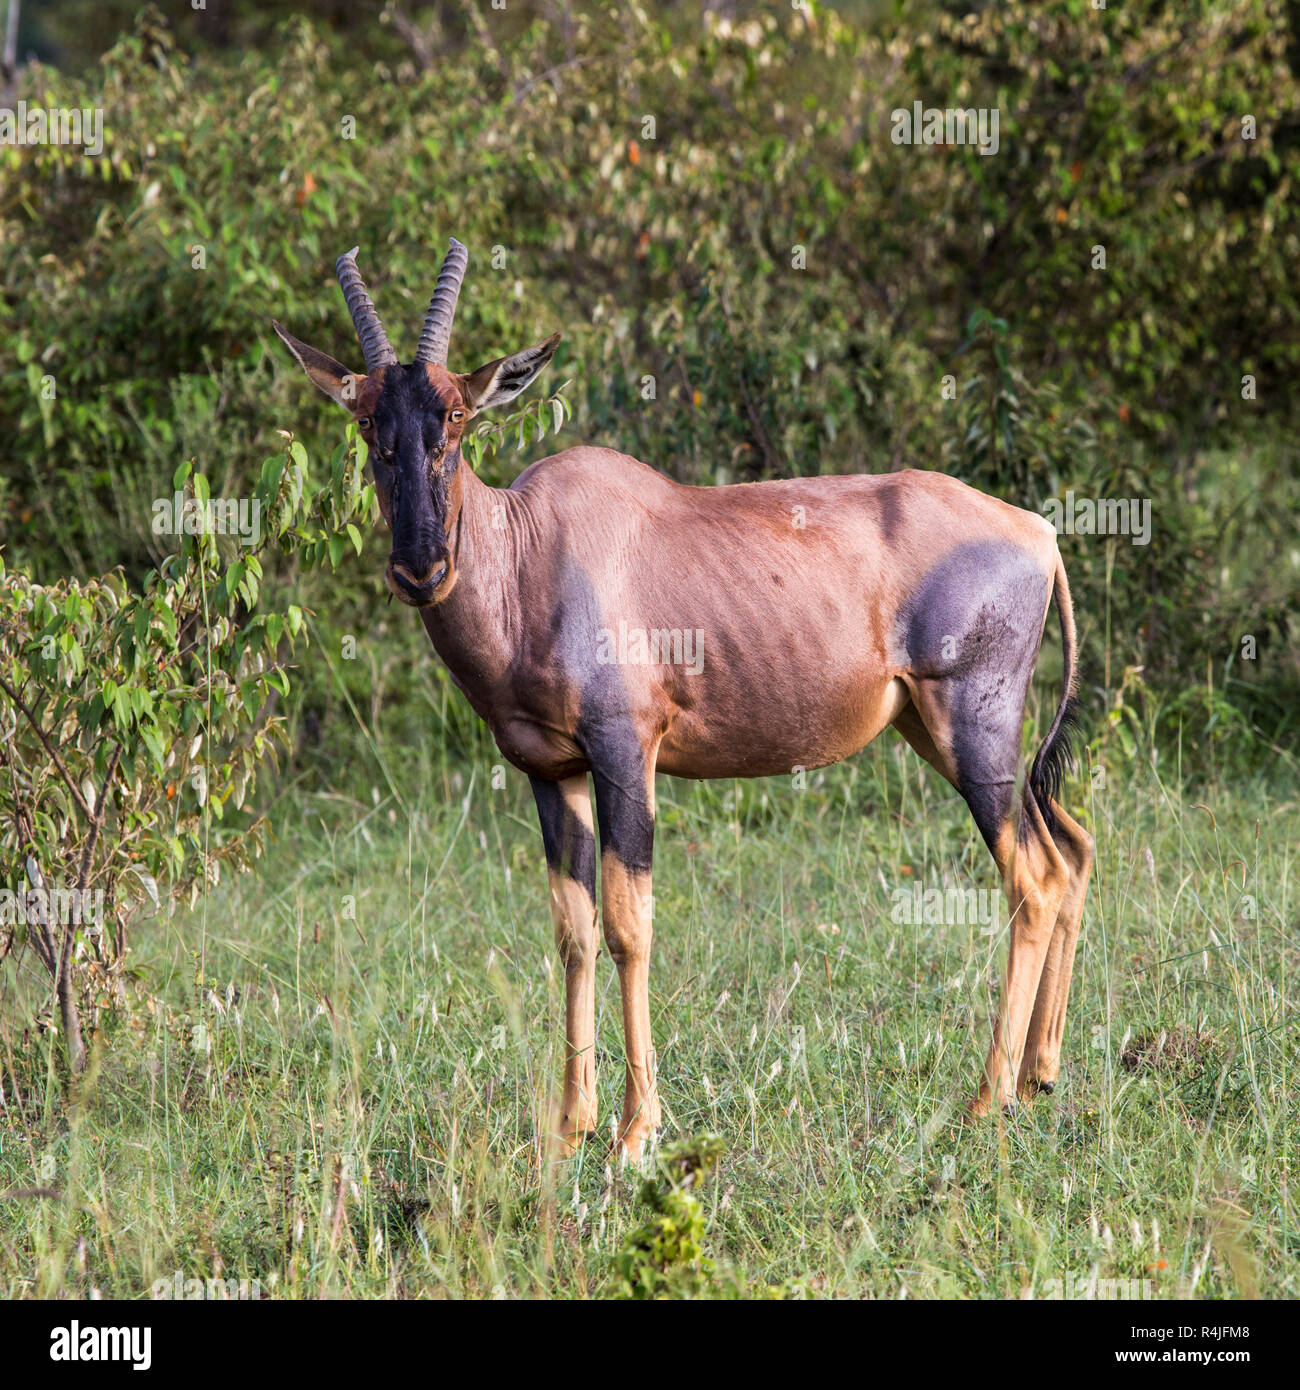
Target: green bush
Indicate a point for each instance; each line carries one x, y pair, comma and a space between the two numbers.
135, 721
751, 278
665, 1256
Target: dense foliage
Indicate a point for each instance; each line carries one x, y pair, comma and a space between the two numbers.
340, 1064
134, 720
751, 277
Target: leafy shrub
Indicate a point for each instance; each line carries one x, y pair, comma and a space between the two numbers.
135, 722
664, 1257
651, 185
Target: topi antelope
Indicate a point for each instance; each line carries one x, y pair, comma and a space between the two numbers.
831, 607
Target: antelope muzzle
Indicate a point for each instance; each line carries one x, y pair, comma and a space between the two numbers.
419, 583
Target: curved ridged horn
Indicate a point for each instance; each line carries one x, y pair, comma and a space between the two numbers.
435, 336
377, 349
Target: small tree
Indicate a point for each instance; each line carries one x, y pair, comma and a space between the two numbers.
133, 723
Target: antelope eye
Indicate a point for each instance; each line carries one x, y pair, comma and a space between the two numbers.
457, 415
365, 422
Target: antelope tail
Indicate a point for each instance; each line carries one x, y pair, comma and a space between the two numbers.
1052, 758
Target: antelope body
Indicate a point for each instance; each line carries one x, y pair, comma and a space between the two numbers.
822, 609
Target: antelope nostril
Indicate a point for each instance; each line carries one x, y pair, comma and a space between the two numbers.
409, 580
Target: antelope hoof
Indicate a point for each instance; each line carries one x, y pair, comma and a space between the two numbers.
983, 1105
567, 1142
976, 1109
633, 1137
988, 1098
1037, 1078
571, 1129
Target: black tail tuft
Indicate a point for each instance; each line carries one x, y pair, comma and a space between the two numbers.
1053, 758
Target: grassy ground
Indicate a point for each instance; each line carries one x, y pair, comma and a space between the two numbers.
348, 1102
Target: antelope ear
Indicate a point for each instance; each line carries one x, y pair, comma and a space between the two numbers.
332, 377
504, 379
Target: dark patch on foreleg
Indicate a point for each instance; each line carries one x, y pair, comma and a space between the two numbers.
570, 844
625, 813
564, 809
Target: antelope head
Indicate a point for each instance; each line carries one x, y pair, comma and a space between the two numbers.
413, 418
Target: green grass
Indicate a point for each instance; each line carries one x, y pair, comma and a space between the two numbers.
349, 1105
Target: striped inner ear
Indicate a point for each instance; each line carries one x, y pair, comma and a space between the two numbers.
513, 375
503, 380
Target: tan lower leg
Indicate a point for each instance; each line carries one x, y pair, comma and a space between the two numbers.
576, 937
1034, 877
626, 900
1042, 1055
573, 913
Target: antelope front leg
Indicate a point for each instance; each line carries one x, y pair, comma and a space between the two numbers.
564, 809
625, 810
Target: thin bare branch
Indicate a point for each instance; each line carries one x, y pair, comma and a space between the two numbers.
48, 746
